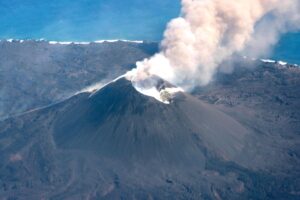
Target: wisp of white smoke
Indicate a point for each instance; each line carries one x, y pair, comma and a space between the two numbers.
210, 31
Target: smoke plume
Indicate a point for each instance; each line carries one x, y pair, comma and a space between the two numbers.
210, 31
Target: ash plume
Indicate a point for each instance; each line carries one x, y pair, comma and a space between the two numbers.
211, 31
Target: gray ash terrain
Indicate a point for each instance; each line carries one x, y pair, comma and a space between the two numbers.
264, 96
237, 138
116, 143
37, 73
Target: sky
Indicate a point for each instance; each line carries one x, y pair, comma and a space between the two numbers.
90, 20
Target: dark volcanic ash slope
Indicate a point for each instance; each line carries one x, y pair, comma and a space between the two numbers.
119, 144
265, 98
37, 73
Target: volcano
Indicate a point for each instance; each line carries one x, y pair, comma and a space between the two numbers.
117, 143
119, 122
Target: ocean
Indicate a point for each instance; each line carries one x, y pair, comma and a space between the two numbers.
90, 20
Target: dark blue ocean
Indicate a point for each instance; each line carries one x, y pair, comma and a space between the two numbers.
88, 20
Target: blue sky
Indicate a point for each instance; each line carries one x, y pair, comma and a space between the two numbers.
88, 20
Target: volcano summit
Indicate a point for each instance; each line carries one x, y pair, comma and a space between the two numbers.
118, 143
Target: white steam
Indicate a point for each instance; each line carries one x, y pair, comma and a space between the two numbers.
210, 31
